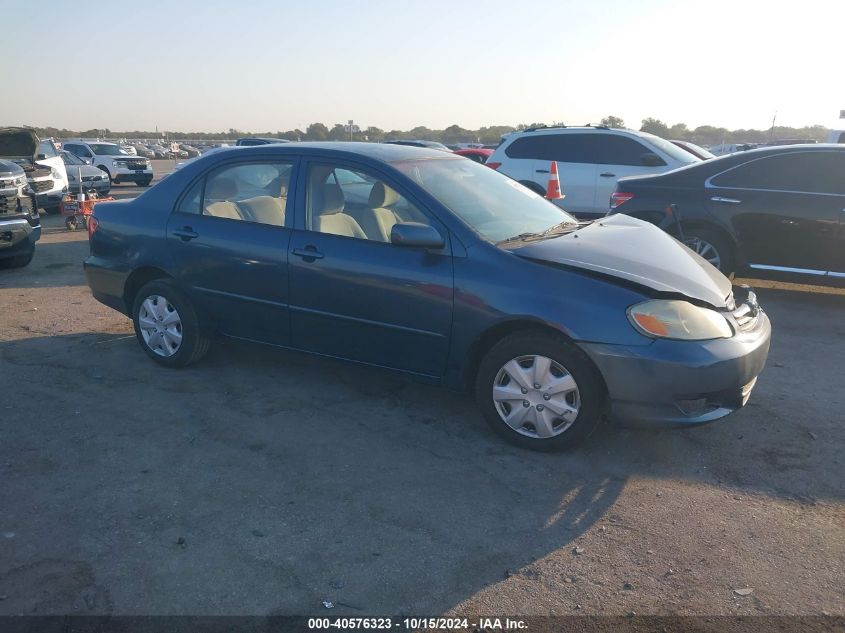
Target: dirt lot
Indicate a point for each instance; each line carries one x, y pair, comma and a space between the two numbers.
264, 483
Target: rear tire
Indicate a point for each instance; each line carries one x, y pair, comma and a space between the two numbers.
162, 315
143, 183
569, 395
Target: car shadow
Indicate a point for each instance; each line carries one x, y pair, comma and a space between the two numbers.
57, 263
260, 477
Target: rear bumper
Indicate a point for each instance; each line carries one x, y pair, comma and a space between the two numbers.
107, 283
18, 236
680, 383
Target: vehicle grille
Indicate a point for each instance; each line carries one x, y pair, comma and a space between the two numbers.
92, 178
40, 186
131, 164
9, 204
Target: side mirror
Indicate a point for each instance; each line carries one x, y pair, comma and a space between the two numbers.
416, 234
652, 160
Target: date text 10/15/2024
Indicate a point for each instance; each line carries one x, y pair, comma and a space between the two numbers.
410, 624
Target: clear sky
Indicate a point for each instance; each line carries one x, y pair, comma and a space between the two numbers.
267, 65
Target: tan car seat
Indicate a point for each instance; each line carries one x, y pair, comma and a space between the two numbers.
264, 209
222, 190
332, 219
379, 218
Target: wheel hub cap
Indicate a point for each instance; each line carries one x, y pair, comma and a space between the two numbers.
536, 396
160, 325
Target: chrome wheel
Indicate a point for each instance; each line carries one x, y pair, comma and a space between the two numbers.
160, 325
705, 249
536, 396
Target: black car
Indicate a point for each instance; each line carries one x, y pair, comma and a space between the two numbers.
779, 210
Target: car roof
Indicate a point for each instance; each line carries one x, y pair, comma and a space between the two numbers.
384, 152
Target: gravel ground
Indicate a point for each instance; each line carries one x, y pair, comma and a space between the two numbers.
264, 482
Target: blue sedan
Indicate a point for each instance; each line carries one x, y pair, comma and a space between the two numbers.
436, 267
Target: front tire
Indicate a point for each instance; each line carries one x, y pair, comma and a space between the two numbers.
539, 391
167, 326
18, 261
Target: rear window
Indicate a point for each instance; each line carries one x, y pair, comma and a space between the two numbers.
806, 172
564, 148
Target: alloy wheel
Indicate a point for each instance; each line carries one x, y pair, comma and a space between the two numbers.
705, 249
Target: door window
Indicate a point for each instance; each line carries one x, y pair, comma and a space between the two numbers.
251, 192
355, 204
807, 172
612, 149
564, 148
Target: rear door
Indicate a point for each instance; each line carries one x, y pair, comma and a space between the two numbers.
785, 208
229, 240
574, 153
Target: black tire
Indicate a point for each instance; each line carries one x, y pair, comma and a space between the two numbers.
721, 244
18, 261
143, 183
195, 344
591, 389
72, 223
106, 172
533, 186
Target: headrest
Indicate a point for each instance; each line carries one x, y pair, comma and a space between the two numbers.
382, 196
221, 189
333, 200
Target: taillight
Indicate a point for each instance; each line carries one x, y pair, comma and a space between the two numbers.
617, 199
493, 165
92, 226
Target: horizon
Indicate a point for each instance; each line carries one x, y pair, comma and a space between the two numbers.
427, 64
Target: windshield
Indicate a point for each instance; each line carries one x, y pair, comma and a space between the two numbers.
495, 206
106, 149
70, 159
680, 155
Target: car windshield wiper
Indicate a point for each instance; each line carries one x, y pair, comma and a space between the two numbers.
556, 229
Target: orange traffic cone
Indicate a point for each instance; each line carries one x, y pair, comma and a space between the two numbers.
553, 190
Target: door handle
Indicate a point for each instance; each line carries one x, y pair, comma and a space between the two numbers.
725, 200
607, 174
309, 253
542, 171
186, 233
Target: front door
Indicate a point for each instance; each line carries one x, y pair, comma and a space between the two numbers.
229, 241
785, 208
353, 293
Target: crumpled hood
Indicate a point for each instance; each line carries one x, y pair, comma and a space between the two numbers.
87, 170
18, 142
636, 251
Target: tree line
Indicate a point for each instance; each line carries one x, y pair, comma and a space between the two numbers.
488, 135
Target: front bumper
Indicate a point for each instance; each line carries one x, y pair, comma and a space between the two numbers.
18, 235
122, 174
681, 383
51, 198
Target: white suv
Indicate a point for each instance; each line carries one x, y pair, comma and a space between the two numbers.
109, 157
589, 160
